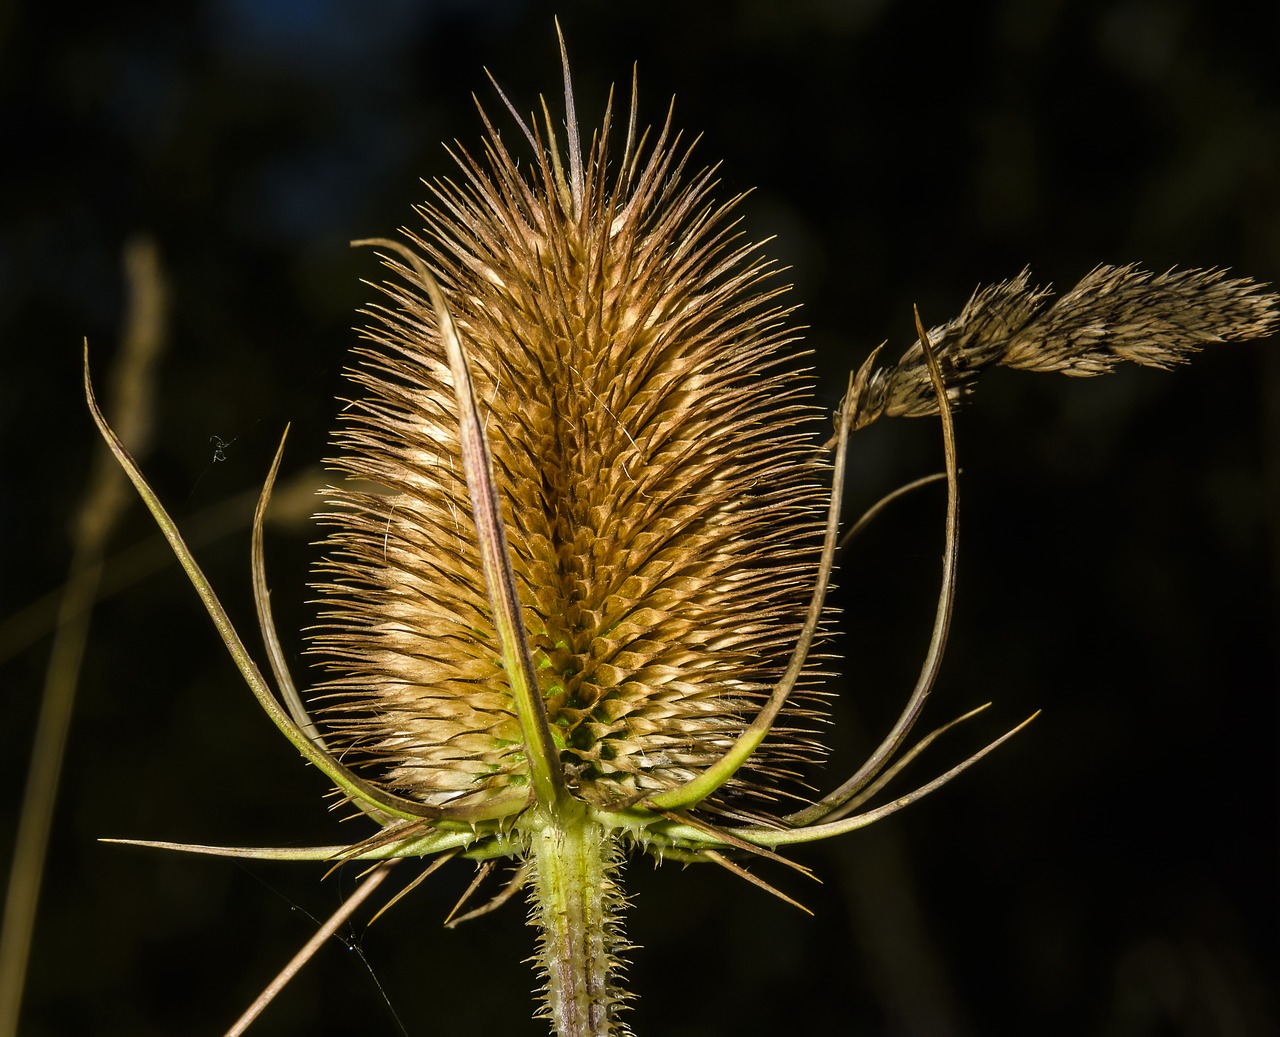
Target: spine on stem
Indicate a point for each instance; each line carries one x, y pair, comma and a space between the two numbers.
577, 907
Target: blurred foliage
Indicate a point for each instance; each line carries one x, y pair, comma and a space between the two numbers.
1114, 871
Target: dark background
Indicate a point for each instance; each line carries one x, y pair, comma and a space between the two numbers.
1113, 871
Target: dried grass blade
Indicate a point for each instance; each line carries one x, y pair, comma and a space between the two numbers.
100, 507
427, 871
330, 927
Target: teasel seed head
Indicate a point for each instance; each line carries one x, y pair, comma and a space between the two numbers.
653, 447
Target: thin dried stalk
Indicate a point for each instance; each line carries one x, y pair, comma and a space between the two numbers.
330, 928
132, 389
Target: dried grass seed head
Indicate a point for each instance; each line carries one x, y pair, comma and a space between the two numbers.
1114, 314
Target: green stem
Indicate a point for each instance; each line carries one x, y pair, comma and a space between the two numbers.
577, 906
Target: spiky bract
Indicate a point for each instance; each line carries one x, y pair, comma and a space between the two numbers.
658, 481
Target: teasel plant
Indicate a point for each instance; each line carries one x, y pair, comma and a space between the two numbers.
574, 588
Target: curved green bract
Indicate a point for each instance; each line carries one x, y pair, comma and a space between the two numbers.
352, 784
694, 792
540, 751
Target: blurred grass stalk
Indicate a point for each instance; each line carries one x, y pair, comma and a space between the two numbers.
131, 389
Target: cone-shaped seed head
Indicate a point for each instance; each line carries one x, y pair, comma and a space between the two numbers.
659, 485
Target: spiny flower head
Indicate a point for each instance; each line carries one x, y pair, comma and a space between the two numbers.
654, 457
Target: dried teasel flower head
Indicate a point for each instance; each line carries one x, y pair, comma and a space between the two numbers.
655, 467
572, 583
